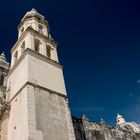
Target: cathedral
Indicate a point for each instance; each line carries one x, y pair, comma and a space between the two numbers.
34, 104
33, 97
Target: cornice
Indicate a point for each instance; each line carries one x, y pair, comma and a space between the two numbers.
37, 55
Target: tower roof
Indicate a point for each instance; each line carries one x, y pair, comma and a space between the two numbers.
32, 13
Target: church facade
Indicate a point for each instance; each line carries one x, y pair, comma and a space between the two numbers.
34, 104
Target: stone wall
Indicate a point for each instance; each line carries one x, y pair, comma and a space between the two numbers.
4, 118
87, 130
51, 115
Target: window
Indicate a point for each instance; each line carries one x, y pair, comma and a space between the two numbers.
37, 48
37, 44
49, 51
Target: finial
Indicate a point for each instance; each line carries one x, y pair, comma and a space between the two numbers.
84, 116
33, 10
2, 56
102, 119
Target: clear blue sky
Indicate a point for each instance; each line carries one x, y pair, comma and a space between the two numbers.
99, 46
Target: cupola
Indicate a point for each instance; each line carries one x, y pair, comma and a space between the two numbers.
35, 21
120, 119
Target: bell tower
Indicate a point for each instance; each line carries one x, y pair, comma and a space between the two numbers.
36, 89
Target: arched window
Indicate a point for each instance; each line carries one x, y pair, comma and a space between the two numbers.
37, 45
48, 51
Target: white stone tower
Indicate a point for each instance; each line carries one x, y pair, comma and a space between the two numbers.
36, 89
120, 119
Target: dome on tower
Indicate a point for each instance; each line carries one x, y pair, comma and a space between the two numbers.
32, 13
120, 119
35, 21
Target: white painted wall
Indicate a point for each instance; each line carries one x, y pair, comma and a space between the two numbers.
45, 75
18, 78
18, 120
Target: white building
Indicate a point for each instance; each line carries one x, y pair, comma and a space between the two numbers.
36, 105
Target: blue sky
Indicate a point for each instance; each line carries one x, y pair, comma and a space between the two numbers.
99, 46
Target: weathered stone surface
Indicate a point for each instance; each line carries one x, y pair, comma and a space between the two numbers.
35, 86
4, 68
87, 130
51, 115
4, 108
4, 118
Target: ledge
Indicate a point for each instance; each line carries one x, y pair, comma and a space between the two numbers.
37, 55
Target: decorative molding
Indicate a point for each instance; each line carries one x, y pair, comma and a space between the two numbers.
37, 55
